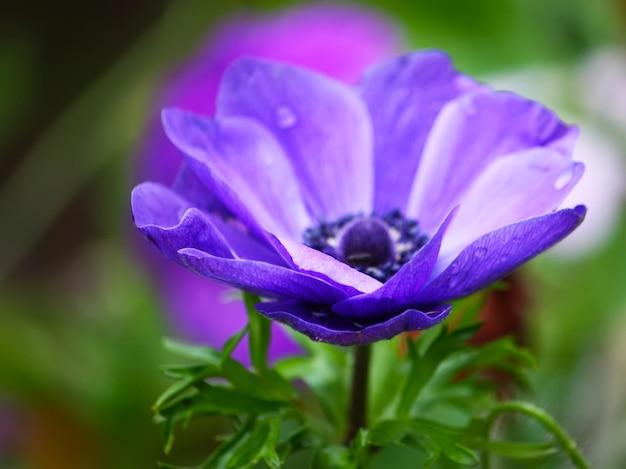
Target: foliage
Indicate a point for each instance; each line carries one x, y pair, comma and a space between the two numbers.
434, 393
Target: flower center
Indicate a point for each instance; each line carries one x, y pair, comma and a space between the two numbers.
365, 242
376, 245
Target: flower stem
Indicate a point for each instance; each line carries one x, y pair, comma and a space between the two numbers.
358, 403
563, 439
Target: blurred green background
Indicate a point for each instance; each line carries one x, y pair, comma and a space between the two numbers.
80, 325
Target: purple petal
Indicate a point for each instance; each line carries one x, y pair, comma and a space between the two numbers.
397, 293
190, 188
495, 254
471, 132
322, 325
171, 224
262, 278
316, 262
338, 40
512, 188
404, 95
322, 125
237, 156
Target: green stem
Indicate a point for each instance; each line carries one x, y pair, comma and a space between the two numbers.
357, 415
563, 439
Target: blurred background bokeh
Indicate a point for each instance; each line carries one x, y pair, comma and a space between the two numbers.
81, 320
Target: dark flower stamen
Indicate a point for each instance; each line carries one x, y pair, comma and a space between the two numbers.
377, 245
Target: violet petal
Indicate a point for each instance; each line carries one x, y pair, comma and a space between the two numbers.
322, 325
471, 132
171, 224
262, 278
404, 95
499, 252
316, 263
241, 155
322, 125
512, 188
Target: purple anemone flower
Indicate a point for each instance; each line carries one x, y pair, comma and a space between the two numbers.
338, 40
359, 212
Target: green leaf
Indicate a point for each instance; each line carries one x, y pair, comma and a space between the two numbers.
205, 355
259, 332
333, 457
431, 456
185, 384
326, 372
254, 441
220, 400
440, 438
180, 371
387, 370
298, 440
520, 451
231, 344
360, 446
388, 432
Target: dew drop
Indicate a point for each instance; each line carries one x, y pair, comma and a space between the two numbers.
453, 281
480, 252
285, 118
564, 178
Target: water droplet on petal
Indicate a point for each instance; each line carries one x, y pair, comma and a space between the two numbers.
564, 178
285, 118
454, 281
480, 252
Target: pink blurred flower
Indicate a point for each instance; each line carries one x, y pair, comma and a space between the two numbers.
338, 40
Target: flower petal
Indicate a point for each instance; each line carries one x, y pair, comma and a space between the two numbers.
322, 125
262, 278
170, 223
471, 132
322, 325
512, 188
316, 262
189, 187
497, 253
397, 293
404, 95
242, 155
